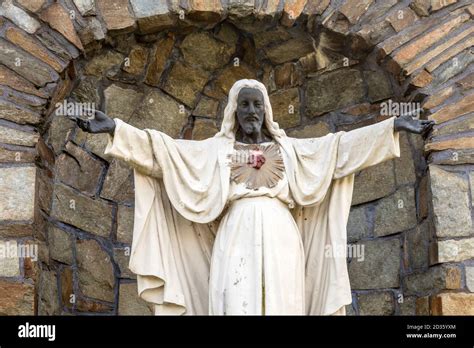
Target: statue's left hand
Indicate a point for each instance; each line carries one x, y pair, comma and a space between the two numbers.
100, 123
413, 125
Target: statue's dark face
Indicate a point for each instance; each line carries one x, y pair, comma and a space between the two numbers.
250, 110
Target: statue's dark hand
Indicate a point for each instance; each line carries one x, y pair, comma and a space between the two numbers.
413, 125
100, 123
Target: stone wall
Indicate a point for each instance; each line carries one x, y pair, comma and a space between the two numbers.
328, 67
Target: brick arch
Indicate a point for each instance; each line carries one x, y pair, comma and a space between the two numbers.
416, 43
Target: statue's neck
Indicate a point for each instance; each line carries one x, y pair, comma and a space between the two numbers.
252, 138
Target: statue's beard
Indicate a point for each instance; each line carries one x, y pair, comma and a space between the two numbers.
252, 127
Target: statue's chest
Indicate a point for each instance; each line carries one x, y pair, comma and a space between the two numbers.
256, 165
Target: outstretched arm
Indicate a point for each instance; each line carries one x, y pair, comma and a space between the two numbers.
125, 142
371, 145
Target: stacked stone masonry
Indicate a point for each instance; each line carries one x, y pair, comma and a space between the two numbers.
328, 65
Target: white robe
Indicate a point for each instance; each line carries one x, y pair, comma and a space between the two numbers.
258, 257
182, 190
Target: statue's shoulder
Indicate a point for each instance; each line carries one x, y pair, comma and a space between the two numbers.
181, 141
316, 140
208, 144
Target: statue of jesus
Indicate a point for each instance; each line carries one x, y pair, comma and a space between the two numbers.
250, 221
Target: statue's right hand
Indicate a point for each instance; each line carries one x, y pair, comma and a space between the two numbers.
100, 123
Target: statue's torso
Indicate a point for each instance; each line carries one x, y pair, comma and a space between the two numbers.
269, 180
257, 264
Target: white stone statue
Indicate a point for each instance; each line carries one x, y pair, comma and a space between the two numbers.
245, 222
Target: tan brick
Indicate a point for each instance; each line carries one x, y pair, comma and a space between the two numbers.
17, 187
394, 42
438, 49
451, 52
26, 42
203, 11
227, 78
31, 5
422, 79
204, 129
439, 97
15, 156
158, 60
408, 52
11, 79
153, 16
450, 202
452, 250
137, 60
470, 9
354, 9
9, 259
116, 14
30, 68
424, 197
453, 278
439, 4
287, 75
456, 144
13, 112
59, 19
205, 5
315, 7
285, 104
402, 19
17, 137
454, 110
452, 304
423, 306
16, 298
291, 11
463, 124
441, 277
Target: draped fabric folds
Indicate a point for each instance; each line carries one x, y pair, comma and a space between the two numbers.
181, 191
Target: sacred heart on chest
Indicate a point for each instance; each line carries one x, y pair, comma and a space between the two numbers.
256, 165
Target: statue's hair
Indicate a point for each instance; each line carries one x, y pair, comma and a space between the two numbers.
229, 125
